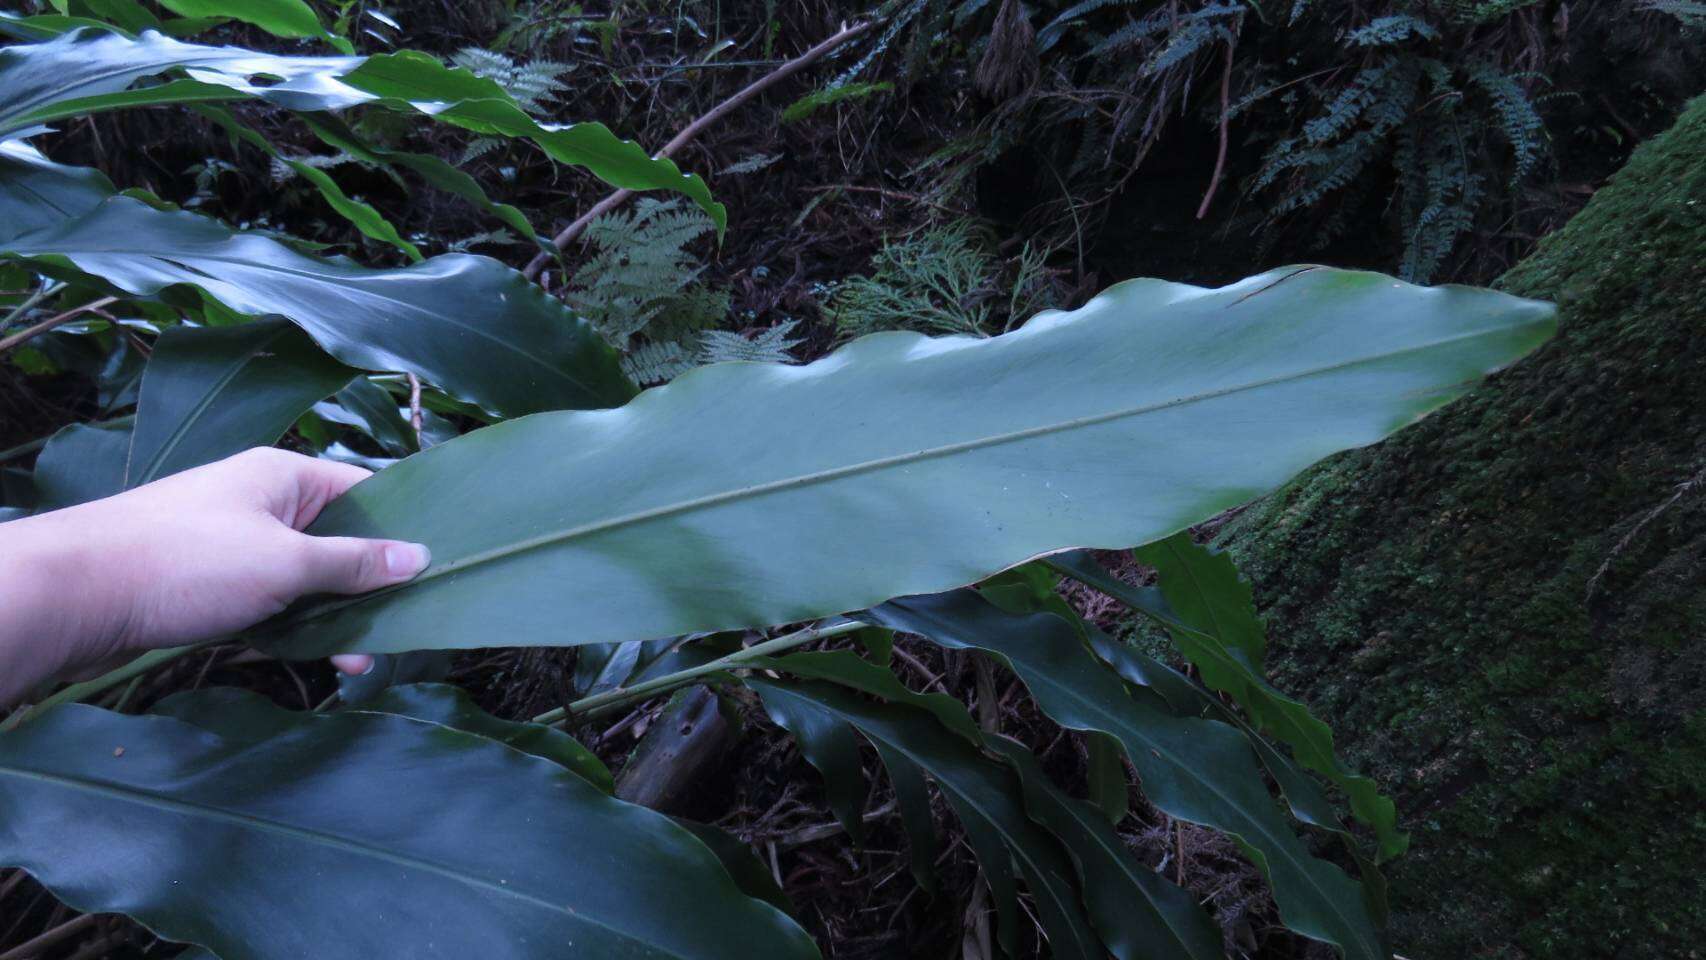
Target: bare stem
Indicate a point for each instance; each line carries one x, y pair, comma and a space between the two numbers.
670, 681
94, 306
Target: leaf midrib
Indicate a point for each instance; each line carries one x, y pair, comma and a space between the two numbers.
155, 801
182, 429
835, 473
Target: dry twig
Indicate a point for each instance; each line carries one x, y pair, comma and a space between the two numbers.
692, 130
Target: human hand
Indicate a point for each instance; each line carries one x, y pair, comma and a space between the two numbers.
186, 558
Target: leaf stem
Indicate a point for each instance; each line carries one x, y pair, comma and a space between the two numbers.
670, 681
88, 688
17, 312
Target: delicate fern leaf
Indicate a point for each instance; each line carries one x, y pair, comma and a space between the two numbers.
1386, 31
1519, 122
768, 346
653, 363
751, 164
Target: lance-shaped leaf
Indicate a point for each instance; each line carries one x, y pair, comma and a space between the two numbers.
81, 462
210, 392
377, 410
985, 797
828, 745
744, 495
1137, 913
36, 192
1308, 802
1114, 880
469, 324
458, 846
1206, 608
244, 715
1193, 769
87, 71
281, 18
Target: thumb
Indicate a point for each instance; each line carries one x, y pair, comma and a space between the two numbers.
354, 565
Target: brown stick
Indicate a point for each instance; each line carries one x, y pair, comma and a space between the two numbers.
29, 332
721, 110
64, 931
415, 405
1225, 108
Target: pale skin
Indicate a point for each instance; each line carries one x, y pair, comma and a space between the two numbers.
195, 556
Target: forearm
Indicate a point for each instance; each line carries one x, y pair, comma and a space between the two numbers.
46, 604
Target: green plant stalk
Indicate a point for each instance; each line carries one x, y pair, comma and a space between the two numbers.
670, 681
88, 688
29, 303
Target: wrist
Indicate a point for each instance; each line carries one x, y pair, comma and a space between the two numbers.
55, 605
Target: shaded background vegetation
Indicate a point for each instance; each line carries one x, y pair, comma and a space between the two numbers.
964, 164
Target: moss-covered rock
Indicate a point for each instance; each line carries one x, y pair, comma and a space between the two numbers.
1502, 610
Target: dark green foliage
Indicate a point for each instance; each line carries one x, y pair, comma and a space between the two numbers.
1503, 608
1418, 135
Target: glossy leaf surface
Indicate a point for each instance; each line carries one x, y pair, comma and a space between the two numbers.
36, 192
210, 392
457, 845
469, 324
744, 495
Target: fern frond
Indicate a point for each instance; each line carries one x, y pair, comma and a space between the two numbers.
1386, 31
654, 363
767, 346
1519, 122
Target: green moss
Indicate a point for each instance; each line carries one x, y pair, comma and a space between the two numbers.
1430, 596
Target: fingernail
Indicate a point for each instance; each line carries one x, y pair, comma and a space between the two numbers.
354, 664
404, 560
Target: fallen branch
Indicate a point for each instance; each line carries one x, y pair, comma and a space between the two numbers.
692, 130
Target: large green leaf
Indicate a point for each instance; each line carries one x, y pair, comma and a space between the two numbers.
83, 70
469, 324
243, 715
210, 392
455, 845
985, 797
87, 71
743, 494
36, 192
281, 18
81, 462
1193, 769
1207, 609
